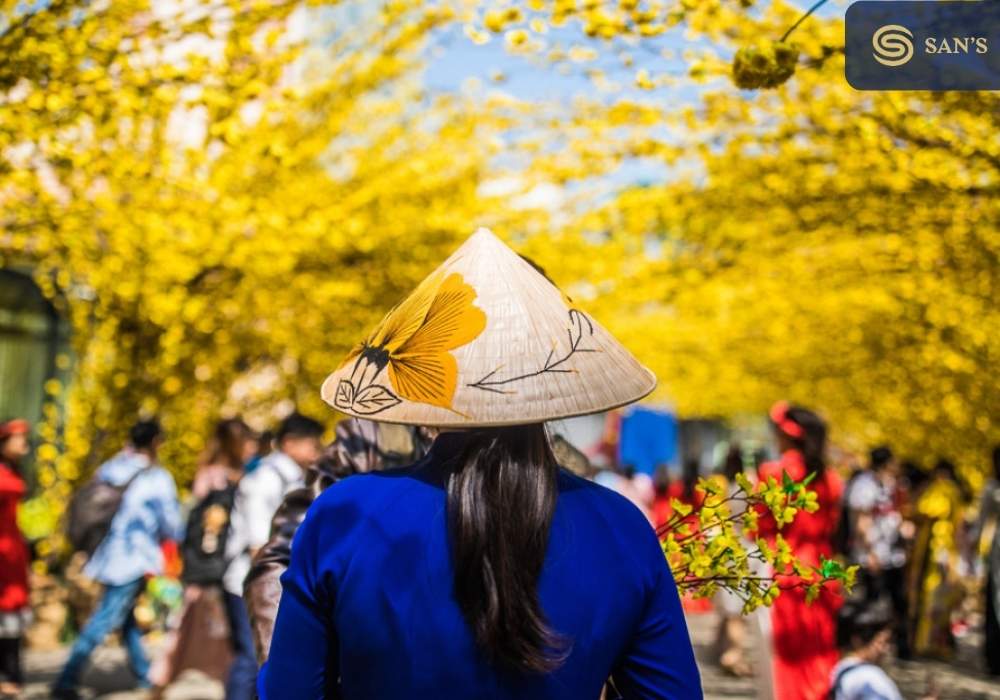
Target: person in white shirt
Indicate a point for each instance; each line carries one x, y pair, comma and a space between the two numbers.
876, 540
257, 498
864, 634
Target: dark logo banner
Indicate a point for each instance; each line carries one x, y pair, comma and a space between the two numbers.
923, 45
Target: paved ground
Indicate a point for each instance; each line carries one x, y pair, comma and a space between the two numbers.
962, 680
110, 680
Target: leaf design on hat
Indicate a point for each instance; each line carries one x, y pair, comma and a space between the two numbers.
581, 328
414, 343
374, 398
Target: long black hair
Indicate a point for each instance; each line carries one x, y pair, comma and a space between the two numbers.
501, 497
812, 443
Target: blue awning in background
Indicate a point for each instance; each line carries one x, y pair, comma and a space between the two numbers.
648, 439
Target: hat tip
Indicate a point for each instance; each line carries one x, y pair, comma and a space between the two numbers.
484, 236
483, 231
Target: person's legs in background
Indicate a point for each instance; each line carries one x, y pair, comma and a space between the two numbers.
137, 659
889, 585
895, 587
871, 585
11, 675
992, 643
114, 609
242, 681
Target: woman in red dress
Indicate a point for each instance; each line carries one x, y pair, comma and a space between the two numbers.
13, 557
804, 643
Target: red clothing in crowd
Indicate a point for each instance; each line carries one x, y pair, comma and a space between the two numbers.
13, 549
662, 510
663, 504
804, 635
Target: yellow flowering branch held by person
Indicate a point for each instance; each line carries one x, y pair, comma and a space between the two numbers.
717, 545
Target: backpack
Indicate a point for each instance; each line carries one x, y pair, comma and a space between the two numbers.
204, 546
91, 511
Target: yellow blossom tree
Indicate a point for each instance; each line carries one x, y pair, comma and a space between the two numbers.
218, 195
809, 242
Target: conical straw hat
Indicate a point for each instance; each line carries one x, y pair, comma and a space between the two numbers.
485, 340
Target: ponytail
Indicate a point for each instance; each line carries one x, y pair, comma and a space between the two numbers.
501, 498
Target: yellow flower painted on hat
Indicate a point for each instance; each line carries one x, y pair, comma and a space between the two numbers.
413, 345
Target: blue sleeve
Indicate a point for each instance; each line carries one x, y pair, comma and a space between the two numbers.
303, 662
167, 508
658, 663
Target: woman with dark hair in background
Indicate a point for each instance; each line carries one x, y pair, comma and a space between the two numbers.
804, 634
202, 639
232, 446
14, 606
483, 570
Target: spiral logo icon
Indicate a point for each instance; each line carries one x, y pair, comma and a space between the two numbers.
893, 45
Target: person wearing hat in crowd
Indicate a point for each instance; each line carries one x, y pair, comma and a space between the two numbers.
803, 634
483, 570
14, 607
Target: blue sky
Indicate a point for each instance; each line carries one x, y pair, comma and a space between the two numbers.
462, 59
459, 59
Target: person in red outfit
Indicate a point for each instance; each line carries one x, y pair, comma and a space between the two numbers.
13, 556
804, 635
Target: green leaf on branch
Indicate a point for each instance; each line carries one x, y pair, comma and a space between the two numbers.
787, 483
831, 568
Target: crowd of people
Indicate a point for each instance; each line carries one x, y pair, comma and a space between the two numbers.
918, 540
238, 485
927, 553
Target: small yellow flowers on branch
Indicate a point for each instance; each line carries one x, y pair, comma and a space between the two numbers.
719, 545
